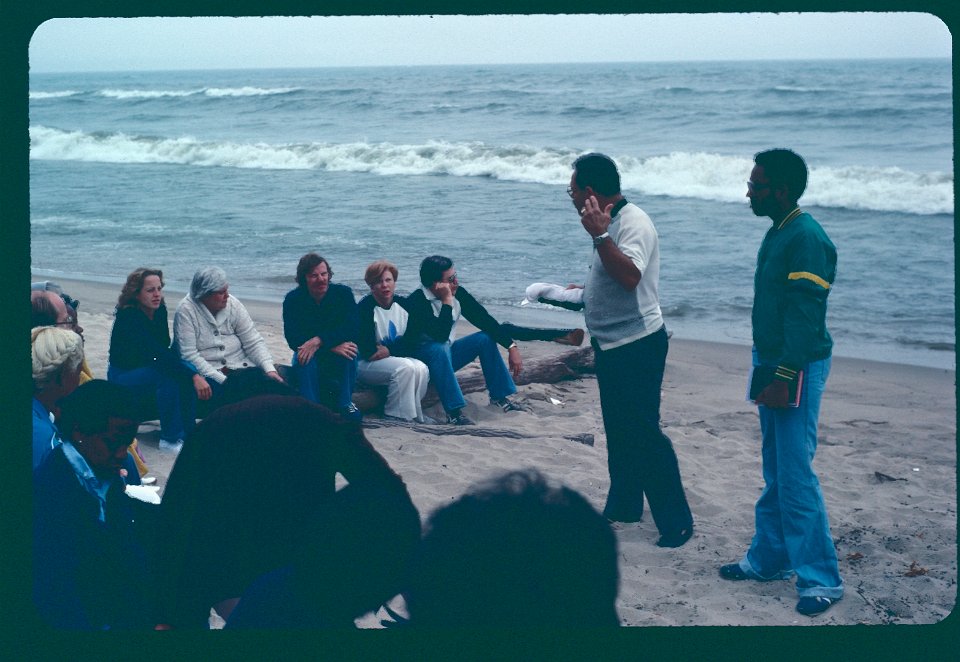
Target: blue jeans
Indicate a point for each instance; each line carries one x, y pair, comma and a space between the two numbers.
640, 457
327, 372
176, 398
792, 531
444, 359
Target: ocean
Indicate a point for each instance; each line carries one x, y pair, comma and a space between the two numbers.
250, 169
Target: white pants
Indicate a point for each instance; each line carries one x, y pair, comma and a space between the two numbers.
406, 381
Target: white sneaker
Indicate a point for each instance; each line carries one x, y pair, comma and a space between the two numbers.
171, 446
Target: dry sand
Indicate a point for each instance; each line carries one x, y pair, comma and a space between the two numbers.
886, 461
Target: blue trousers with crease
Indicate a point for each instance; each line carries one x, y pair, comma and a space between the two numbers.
792, 531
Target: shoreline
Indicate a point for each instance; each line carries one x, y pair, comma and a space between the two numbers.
102, 296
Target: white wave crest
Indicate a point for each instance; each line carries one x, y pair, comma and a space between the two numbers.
677, 175
208, 91
146, 94
247, 91
53, 144
54, 95
723, 178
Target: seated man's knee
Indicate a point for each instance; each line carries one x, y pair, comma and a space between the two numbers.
434, 351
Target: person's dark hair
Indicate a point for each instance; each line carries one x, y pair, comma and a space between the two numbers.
308, 263
131, 288
357, 551
599, 172
91, 406
515, 552
44, 313
432, 268
784, 167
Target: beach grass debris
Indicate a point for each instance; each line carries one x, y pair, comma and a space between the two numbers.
915, 570
585, 439
884, 478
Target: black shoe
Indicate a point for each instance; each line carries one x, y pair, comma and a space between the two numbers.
676, 539
351, 413
733, 572
508, 405
812, 605
458, 418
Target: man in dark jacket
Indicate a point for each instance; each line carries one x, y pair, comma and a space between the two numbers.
321, 326
434, 310
796, 267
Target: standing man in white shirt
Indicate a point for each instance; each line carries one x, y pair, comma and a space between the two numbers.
622, 312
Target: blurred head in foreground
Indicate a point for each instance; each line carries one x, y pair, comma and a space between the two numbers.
516, 552
100, 418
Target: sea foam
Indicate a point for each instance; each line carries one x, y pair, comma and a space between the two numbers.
705, 176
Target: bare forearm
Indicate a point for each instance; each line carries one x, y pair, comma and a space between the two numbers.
620, 267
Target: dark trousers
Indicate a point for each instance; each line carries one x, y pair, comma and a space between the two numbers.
640, 457
528, 333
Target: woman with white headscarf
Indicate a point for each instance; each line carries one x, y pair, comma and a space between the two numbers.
214, 331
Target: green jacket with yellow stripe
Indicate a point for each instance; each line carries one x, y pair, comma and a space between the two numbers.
796, 267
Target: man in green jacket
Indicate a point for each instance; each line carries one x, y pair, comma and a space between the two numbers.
796, 267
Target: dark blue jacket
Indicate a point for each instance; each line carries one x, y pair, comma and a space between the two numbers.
424, 326
334, 320
90, 574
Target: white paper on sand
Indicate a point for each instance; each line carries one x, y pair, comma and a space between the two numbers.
148, 493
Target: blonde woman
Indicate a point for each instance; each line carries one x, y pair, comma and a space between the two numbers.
57, 356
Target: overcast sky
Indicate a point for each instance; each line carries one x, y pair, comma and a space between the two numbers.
105, 44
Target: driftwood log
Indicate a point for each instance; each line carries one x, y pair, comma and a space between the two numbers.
545, 368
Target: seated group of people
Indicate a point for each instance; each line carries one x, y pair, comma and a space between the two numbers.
389, 340
288, 553
235, 534
401, 342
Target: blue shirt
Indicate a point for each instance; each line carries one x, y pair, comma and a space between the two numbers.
46, 437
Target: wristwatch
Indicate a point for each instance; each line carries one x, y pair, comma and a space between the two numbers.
599, 239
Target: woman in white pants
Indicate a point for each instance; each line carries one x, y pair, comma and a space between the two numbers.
381, 346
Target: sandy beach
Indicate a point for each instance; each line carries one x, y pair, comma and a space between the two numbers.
886, 461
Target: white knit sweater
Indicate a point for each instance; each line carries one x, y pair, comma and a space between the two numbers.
227, 340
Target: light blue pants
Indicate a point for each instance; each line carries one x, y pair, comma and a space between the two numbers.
444, 359
792, 531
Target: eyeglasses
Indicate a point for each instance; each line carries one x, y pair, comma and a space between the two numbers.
326, 274
753, 186
451, 279
71, 322
570, 191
